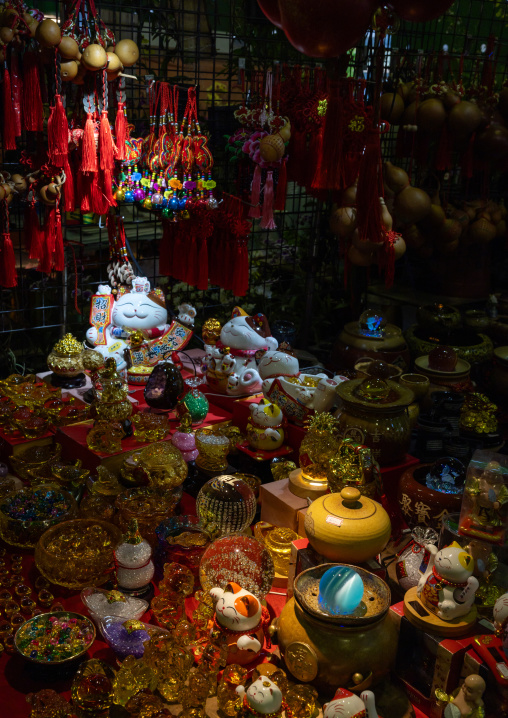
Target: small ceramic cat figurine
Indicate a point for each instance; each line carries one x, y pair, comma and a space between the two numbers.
139, 309
261, 698
230, 364
347, 705
265, 426
241, 617
447, 588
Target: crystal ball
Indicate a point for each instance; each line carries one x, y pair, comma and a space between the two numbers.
443, 359
371, 323
447, 475
238, 559
340, 590
225, 505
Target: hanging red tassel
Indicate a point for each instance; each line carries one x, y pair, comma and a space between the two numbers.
58, 133
68, 187
9, 128
88, 147
58, 255
369, 190
32, 115
84, 190
255, 210
8, 274
99, 201
16, 90
106, 187
267, 218
120, 132
280, 195
329, 170
107, 147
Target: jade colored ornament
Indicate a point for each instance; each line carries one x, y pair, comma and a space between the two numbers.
196, 404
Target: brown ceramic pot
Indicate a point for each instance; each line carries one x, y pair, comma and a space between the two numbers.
420, 505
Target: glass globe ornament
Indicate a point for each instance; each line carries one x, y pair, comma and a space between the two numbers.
225, 505
164, 387
372, 324
340, 590
238, 559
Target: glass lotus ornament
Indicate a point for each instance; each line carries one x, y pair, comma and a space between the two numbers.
47, 703
133, 676
26, 514
101, 603
148, 506
164, 386
150, 427
78, 553
55, 638
225, 505
237, 559
170, 663
133, 560
65, 361
213, 450
228, 700
92, 687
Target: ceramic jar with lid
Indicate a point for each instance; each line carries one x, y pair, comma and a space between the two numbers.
347, 527
434, 316
375, 413
66, 362
353, 651
371, 336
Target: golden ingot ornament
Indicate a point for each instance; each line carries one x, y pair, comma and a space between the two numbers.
211, 331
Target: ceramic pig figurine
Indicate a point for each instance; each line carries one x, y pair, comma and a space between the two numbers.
241, 617
347, 705
230, 364
262, 696
265, 426
448, 586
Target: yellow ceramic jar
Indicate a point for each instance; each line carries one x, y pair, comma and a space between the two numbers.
347, 527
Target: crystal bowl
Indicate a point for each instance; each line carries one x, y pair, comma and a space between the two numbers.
35, 628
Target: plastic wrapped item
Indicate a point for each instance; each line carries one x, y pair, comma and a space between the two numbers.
484, 512
414, 559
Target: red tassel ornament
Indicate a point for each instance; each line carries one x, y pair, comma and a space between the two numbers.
120, 132
89, 150
9, 128
58, 134
255, 210
8, 274
107, 147
267, 218
32, 115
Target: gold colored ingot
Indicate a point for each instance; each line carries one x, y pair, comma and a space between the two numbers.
32, 395
213, 450
66, 357
347, 527
278, 542
310, 648
211, 331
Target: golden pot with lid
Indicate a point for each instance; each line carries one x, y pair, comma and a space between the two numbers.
353, 651
66, 362
347, 527
375, 413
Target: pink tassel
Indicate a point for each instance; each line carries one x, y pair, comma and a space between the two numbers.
267, 218
255, 211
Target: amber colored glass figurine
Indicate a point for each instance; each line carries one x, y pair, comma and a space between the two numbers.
150, 427
134, 676
47, 703
105, 437
228, 699
92, 687
170, 663
354, 465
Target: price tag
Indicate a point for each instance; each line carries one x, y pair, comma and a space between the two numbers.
334, 520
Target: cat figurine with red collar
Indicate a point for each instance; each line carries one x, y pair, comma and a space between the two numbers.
447, 588
231, 364
348, 705
242, 619
265, 426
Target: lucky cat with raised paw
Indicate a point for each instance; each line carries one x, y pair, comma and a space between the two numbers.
262, 698
265, 426
447, 588
240, 616
348, 705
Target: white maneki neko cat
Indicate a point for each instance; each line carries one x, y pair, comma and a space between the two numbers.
263, 696
348, 705
447, 588
139, 309
230, 364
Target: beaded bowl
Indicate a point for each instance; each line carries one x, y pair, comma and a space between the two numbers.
70, 636
78, 553
26, 514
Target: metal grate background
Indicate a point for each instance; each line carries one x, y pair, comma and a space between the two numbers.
295, 270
